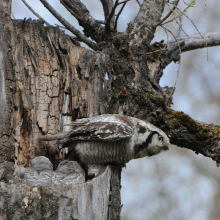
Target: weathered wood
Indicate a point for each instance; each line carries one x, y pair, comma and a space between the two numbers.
94, 200
56, 82
7, 82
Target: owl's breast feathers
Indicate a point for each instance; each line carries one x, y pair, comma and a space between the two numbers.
111, 138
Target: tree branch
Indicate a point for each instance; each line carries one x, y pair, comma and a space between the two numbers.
168, 15
81, 37
92, 28
195, 41
107, 7
189, 133
143, 25
119, 13
111, 15
35, 13
138, 3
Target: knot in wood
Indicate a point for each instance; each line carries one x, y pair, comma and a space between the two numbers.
124, 92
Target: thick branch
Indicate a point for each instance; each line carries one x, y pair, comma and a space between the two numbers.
144, 23
195, 41
107, 7
69, 26
111, 17
189, 133
81, 13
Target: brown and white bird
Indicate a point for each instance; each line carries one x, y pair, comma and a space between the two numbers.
114, 139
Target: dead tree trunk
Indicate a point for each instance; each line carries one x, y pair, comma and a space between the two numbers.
48, 80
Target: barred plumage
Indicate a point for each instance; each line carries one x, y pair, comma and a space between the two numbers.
109, 139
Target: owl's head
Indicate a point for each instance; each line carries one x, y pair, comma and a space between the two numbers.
152, 143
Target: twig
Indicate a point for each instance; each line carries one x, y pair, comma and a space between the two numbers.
116, 21
35, 13
168, 43
180, 24
69, 26
12, 15
168, 15
185, 3
60, 26
191, 22
179, 15
180, 28
123, 2
179, 60
138, 2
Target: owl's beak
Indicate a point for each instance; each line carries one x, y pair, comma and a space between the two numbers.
166, 146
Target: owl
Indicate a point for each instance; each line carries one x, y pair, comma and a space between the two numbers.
114, 139
41, 172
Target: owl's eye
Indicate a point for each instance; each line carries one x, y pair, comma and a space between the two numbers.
160, 139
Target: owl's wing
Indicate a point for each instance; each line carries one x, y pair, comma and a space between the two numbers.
100, 130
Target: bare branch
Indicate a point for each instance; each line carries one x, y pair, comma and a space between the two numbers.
123, 2
138, 2
191, 21
168, 15
178, 71
149, 14
81, 37
92, 28
119, 13
175, 18
109, 18
60, 26
35, 13
107, 5
180, 28
12, 15
197, 42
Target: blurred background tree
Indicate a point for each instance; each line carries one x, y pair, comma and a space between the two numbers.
178, 184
